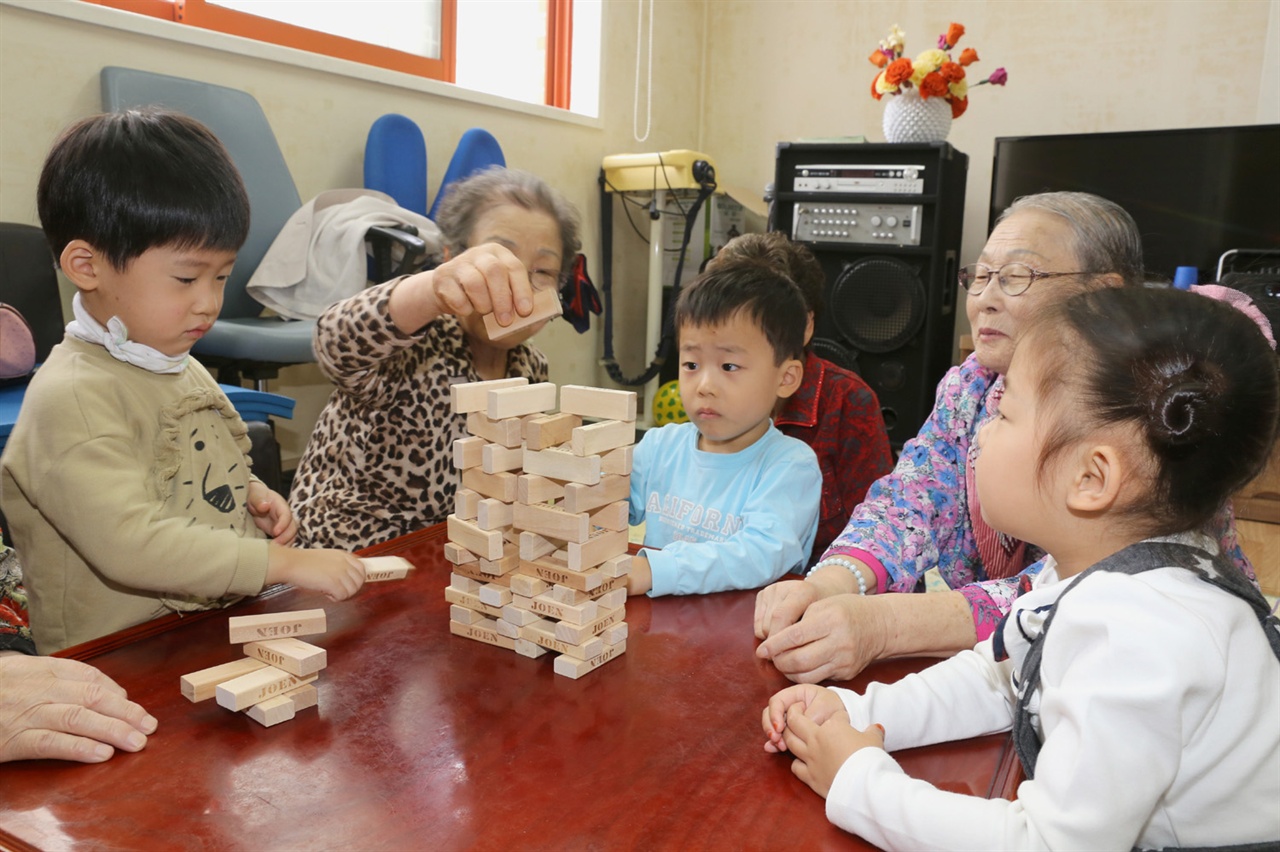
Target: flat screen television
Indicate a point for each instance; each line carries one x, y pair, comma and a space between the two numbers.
1195, 193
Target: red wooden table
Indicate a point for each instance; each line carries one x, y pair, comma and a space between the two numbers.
423, 740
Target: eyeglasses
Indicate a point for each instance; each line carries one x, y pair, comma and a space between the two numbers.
1015, 278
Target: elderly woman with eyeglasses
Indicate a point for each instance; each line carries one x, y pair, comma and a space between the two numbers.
925, 514
380, 460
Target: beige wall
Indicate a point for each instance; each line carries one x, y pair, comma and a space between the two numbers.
766, 70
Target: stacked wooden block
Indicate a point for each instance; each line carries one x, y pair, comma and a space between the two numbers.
538, 539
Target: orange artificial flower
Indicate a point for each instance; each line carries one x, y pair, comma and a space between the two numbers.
899, 71
874, 93
954, 32
878, 58
951, 72
958, 107
968, 56
933, 86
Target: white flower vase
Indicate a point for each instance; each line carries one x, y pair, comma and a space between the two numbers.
911, 118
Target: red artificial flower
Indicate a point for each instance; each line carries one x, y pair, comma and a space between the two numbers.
958, 107
878, 59
951, 72
933, 86
874, 93
968, 56
954, 32
899, 70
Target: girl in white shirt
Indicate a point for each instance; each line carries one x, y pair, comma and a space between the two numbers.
1148, 718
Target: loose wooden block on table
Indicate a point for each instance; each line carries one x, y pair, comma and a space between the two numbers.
598, 403
519, 402
468, 452
273, 711
495, 458
275, 625
546, 306
201, 685
380, 568
551, 522
549, 430
504, 432
292, 655
562, 464
466, 397
493, 514
482, 632
574, 668
596, 438
499, 486
487, 544
256, 686
584, 497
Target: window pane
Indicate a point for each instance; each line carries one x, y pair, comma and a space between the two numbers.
410, 26
502, 48
584, 92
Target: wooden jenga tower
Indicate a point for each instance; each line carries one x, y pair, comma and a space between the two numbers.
538, 538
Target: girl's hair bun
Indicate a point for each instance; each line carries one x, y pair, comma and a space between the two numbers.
1181, 409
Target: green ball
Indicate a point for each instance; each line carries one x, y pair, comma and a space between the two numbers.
667, 407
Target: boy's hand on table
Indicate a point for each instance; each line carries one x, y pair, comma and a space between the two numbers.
271, 513
336, 573
640, 577
62, 709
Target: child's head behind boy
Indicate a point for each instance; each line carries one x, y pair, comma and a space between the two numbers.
776, 249
1166, 406
144, 212
740, 329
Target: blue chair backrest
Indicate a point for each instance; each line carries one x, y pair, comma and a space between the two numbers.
395, 161
477, 149
237, 119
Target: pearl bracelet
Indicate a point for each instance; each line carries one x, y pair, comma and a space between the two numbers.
847, 564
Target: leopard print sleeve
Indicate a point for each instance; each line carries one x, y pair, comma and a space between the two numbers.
356, 336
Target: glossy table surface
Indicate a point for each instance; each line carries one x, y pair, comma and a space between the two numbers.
423, 740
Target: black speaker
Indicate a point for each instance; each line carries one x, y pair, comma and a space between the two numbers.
885, 222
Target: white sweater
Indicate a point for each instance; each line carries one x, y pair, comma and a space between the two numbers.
1159, 712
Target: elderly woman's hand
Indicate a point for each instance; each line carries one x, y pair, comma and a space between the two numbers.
835, 639
65, 710
486, 279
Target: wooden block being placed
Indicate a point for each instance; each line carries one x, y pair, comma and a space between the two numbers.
531, 488
201, 685
596, 438
466, 397
574, 668
518, 402
534, 546
612, 517
602, 545
529, 587
273, 711
546, 305
482, 632
257, 686
578, 633
558, 463
616, 566
465, 504
504, 432
550, 522
543, 633
457, 554
487, 544
493, 514
525, 648
292, 655
380, 568
275, 625
598, 403
580, 497
468, 452
617, 461
549, 430
496, 458
499, 486
556, 572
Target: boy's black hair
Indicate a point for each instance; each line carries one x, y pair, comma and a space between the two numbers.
766, 296
1193, 374
129, 181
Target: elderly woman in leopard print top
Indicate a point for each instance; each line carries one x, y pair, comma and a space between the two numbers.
380, 461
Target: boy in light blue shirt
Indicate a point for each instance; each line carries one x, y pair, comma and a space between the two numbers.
731, 502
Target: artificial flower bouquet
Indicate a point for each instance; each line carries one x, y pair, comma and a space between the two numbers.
933, 72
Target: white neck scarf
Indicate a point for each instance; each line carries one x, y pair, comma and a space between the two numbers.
115, 338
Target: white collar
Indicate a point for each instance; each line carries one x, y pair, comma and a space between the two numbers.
115, 338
